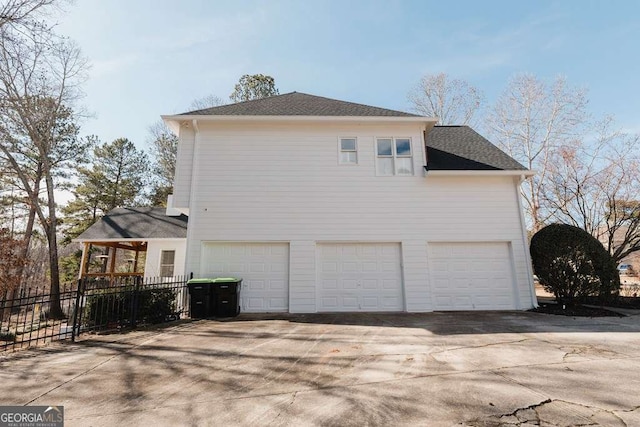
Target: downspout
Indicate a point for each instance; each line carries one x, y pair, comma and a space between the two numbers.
525, 244
194, 162
192, 195
424, 148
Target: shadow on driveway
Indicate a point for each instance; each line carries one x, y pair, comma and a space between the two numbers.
462, 322
335, 369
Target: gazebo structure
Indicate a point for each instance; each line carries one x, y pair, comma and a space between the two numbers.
141, 230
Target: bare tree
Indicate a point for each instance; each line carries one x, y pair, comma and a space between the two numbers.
594, 184
531, 121
452, 101
24, 15
39, 81
20, 19
205, 102
163, 150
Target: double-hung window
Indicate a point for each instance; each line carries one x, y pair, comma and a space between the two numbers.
394, 156
167, 263
348, 151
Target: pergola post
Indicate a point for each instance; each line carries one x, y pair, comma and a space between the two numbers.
108, 268
84, 263
135, 261
112, 264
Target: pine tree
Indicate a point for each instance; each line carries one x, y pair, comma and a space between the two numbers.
117, 177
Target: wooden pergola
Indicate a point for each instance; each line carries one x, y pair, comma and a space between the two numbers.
136, 246
132, 229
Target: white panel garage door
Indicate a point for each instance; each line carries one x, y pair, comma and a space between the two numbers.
263, 267
471, 276
359, 277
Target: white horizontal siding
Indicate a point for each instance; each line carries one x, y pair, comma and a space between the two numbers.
284, 183
154, 249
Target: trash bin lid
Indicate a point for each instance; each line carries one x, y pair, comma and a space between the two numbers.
226, 280
203, 280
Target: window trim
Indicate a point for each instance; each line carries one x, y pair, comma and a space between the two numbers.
394, 155
340, 151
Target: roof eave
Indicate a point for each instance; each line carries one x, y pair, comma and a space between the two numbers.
264, 118
511, 172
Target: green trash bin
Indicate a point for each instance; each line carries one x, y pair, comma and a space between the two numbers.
201, 291
226, 296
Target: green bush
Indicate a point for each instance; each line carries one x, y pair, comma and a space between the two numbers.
572, 264
109, 307
7, 336
155, 305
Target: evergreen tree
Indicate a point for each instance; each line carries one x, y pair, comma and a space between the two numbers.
252, 87
116, 178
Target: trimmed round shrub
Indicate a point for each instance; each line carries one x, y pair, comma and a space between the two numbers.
572, 264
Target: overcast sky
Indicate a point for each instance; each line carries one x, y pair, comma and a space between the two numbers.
154, 57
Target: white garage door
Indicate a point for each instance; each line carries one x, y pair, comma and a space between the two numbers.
359, 277
263, 267
471, 276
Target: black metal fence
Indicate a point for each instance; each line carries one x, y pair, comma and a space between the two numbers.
95, 304
26, 320
126, 302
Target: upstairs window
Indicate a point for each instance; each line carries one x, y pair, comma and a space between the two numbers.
167, 262
348, 151
394, 156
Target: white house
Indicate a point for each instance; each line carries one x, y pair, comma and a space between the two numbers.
322, 205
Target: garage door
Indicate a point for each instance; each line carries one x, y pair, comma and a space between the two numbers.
264, 268
359, 277
471, 276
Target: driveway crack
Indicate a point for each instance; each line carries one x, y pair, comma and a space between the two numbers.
531, 415
470, 347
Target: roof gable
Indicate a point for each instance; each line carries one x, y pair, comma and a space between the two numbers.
136, 223
298, 104
462, 148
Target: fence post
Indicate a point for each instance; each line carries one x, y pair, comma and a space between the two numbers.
135, 302
77, 319
187, 295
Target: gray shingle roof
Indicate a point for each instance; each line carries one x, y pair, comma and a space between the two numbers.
298, 104
137, 223
462, 148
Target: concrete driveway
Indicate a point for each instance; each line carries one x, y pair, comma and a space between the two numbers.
473, 369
